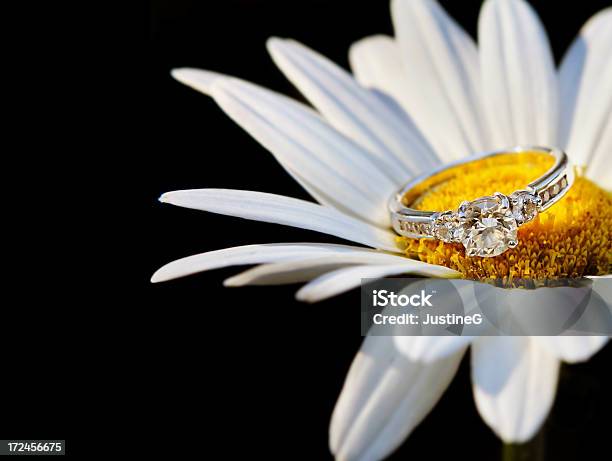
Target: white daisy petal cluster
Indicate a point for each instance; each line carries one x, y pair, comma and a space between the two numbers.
427, 96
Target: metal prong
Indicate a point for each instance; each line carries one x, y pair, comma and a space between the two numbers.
505, 203
462, 208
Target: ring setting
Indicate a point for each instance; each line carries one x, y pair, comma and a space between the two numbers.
487, 226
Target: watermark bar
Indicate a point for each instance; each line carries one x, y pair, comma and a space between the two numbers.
452, 307
32, 447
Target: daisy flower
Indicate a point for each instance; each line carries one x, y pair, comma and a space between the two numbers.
427, 96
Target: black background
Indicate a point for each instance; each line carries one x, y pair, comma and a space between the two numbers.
188, 367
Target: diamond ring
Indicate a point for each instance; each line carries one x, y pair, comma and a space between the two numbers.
486, 226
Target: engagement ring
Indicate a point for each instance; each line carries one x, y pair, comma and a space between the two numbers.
486, 226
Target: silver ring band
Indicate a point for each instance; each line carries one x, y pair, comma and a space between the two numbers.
486, 226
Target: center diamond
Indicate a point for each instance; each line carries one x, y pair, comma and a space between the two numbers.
489, 226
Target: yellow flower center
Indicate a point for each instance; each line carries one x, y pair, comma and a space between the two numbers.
570, 239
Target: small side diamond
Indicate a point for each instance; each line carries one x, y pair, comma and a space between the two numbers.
556, 189
448, 227
415, 228
524, 206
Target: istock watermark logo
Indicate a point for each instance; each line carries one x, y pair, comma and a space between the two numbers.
384, 298
401, 306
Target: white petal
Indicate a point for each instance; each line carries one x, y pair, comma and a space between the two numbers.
302, 155
202, 80
586, 88
288, 211
400, 149
572, 349
198, 79
376, 63
432, 348
345, 174
514, 380
248, 254
341, 280
518, 75
281, 273
442, 69
385, 396
308, 268
584, 59
429, 349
